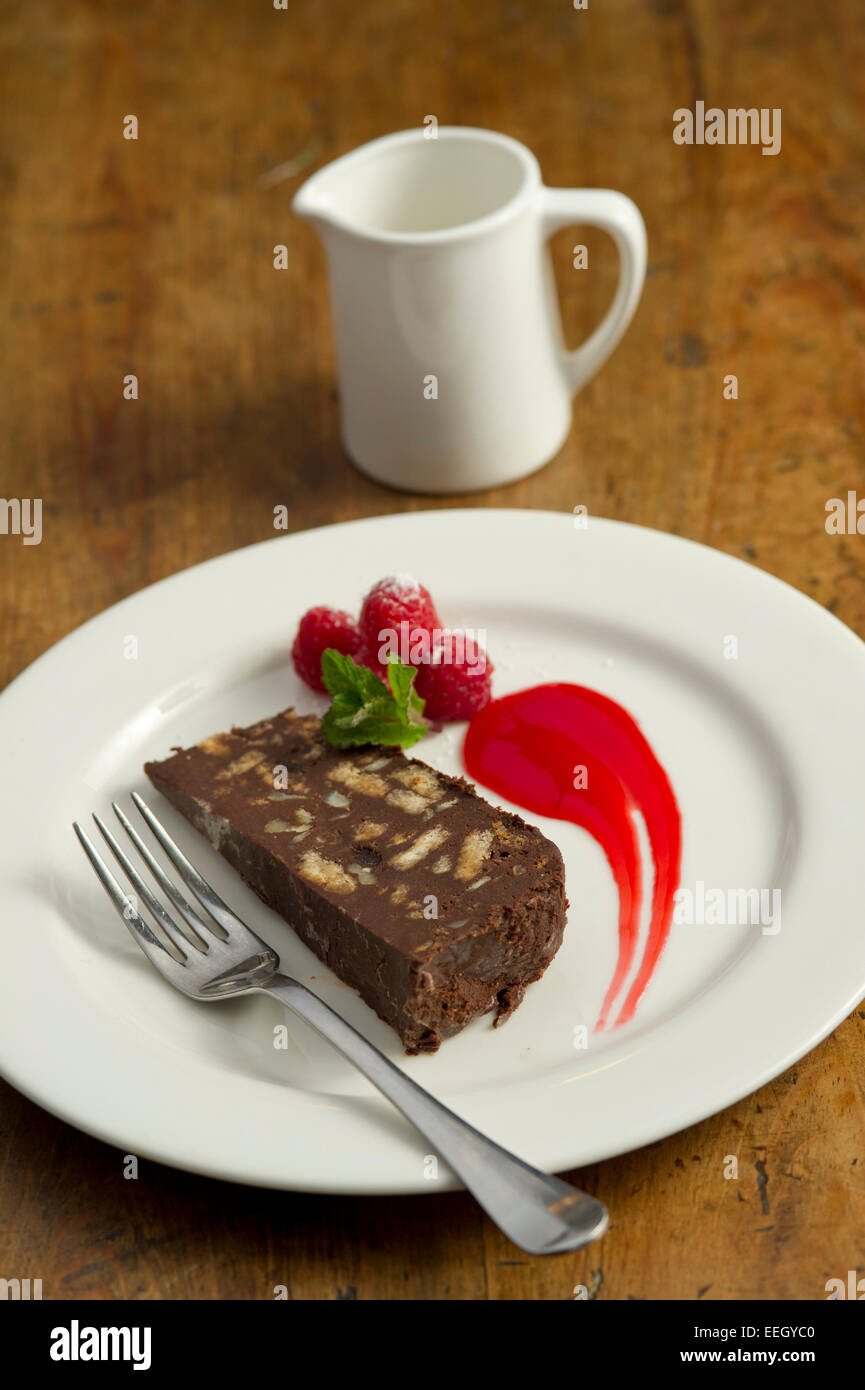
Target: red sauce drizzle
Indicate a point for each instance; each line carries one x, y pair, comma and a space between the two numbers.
527, 747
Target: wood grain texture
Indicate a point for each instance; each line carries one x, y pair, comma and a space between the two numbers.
155, 257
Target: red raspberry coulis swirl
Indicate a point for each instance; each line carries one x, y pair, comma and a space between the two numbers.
528, 747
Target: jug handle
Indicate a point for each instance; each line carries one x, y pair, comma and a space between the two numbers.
617, 215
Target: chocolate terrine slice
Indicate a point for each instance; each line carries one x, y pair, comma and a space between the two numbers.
435, 906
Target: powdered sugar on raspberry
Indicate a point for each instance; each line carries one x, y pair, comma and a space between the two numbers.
403, 586
392, 601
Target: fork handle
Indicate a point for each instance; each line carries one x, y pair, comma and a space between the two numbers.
541, 1214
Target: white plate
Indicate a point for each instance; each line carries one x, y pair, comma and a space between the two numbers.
765, 753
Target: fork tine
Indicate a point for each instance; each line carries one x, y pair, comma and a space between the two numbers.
157, 953
207, 896
173, 930
193, 919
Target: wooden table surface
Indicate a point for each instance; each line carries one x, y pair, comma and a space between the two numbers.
154, 257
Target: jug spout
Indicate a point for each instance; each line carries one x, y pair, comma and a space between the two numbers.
355, 193
312, 205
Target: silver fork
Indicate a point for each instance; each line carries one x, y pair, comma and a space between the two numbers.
213, 955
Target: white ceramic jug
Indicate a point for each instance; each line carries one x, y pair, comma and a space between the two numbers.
453, 373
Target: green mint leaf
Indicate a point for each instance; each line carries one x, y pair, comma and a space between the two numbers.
401, 680
364, 711
342, 676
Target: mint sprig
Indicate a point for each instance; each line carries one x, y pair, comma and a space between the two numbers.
364, 710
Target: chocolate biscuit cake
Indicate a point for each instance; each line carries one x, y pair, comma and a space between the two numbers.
434, 905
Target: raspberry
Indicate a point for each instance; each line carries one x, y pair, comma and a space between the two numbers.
454, 671
368, 656
320, 628
394, 600
456, 684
